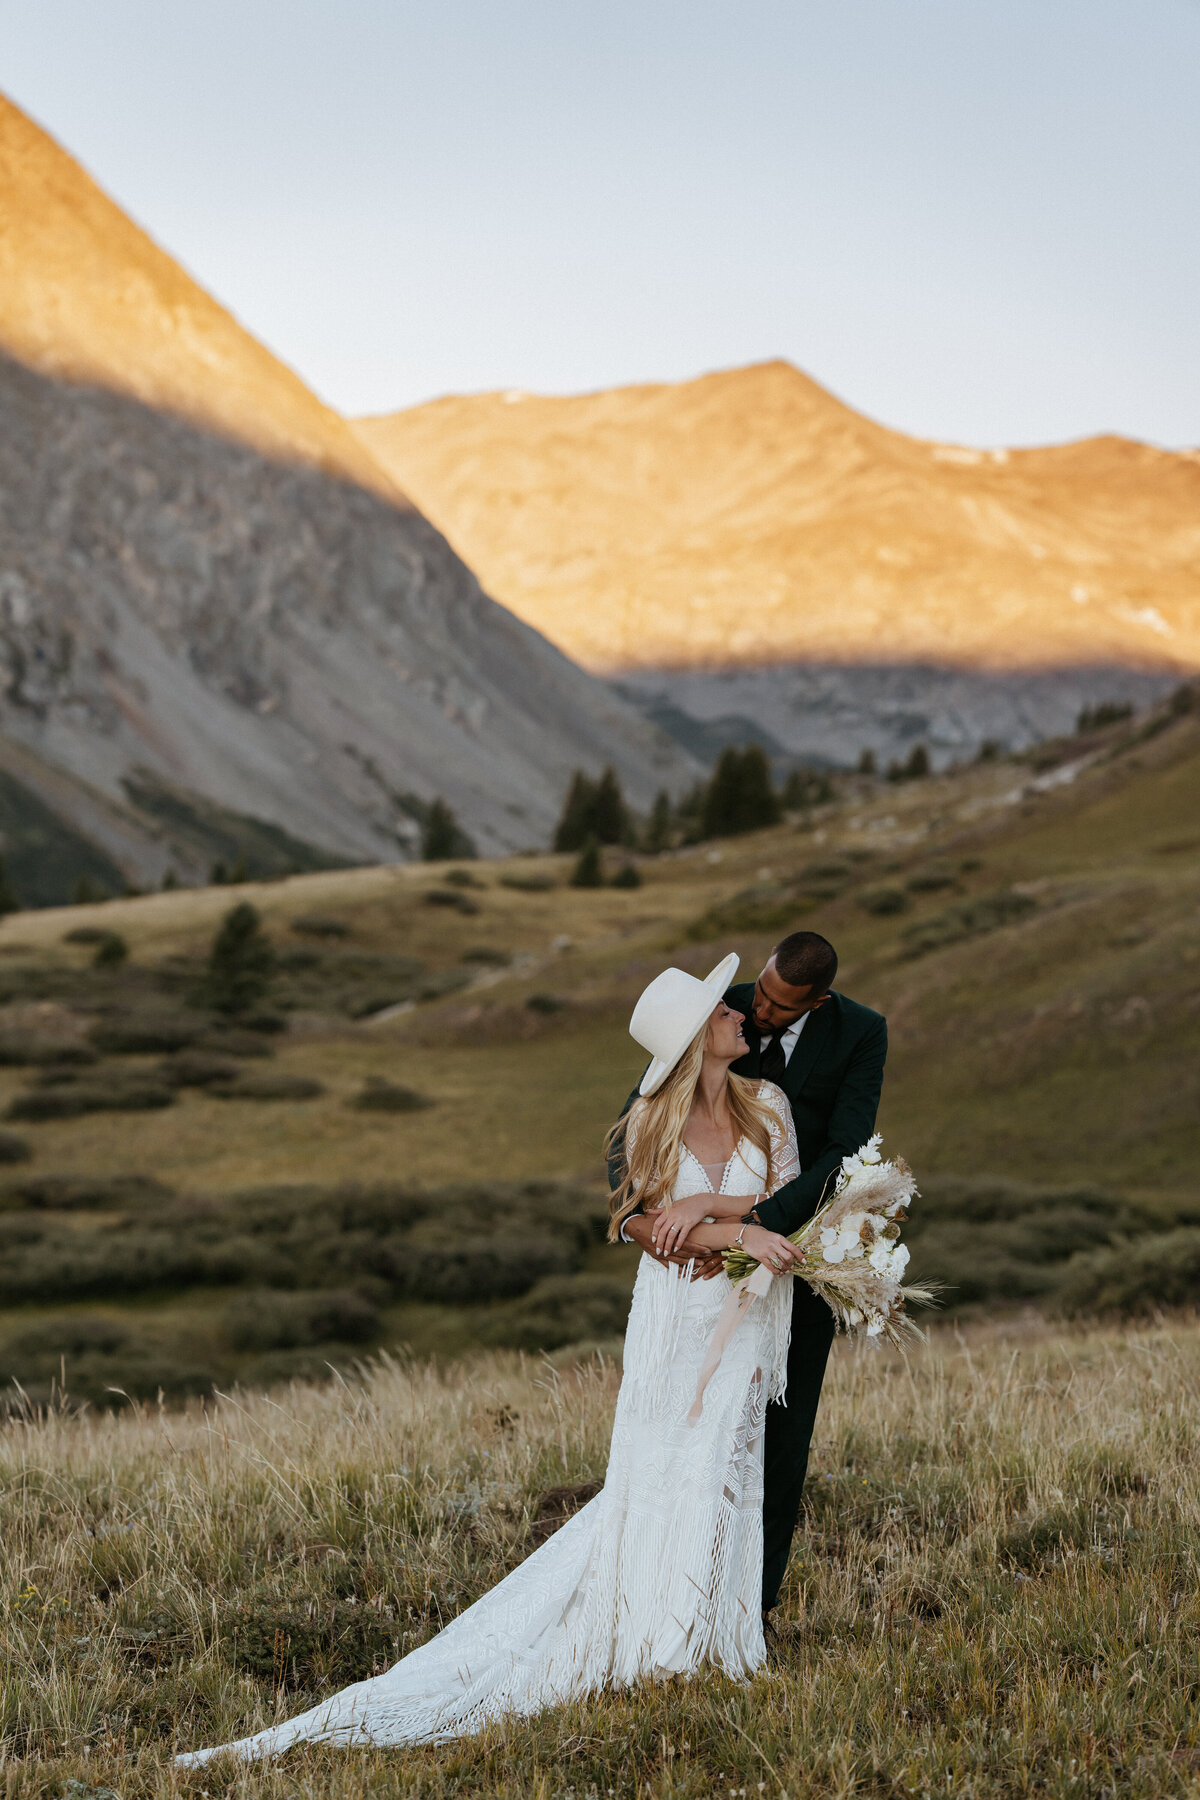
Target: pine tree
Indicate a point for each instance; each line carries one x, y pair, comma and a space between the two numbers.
442, 837
575, 825
722, 796
866, 762
740, 796
8, 899
609, 820
658, 827
111, 951
628, 876
85, 891
588, 871
240, 963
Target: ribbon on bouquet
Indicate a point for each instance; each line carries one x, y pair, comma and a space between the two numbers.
755, 1287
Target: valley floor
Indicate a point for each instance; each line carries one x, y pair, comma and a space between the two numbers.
995, 1592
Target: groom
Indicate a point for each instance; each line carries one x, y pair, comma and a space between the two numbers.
827, 1054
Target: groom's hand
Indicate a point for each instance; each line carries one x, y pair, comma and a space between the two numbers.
641, 1230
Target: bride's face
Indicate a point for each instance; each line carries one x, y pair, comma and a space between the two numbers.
725, 1036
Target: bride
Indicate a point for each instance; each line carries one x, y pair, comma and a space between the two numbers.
661, 1573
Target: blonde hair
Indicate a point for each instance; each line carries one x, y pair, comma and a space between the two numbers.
650, 1136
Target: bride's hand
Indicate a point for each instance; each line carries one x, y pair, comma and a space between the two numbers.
672, 1226
776, 1253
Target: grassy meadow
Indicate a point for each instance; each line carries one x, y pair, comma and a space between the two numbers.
423, 1137
996, 1593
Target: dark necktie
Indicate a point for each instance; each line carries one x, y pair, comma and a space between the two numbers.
773, 1062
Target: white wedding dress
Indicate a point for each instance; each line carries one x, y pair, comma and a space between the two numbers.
658, 1575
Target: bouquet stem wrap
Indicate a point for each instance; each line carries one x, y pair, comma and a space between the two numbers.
852, 1256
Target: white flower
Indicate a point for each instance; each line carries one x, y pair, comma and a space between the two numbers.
874, 1327
828, 1235
900, 1255
881, 1258
870, 1150
835, 1253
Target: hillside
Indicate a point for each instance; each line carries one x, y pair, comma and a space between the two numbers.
86, 296
991, 1594
415, 1158
750, 518
224, 636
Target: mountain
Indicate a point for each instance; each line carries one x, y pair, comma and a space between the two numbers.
750, 518
224, 632
86, 296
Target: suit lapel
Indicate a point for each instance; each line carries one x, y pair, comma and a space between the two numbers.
813, 1039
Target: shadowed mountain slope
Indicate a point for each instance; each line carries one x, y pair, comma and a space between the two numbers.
220, 622
283, 644
750, 518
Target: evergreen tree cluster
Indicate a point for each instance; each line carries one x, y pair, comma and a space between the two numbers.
739, 796
915, 766
593, 810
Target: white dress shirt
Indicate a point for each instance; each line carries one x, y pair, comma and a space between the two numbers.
787, 1042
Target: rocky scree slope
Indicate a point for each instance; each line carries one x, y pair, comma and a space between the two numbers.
183, 616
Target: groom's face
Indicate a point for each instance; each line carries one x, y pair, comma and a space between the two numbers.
777, 1004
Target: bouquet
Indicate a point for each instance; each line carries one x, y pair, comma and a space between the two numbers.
852, 1257
852, 1252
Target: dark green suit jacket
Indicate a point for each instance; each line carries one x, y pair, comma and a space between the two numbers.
833, 1082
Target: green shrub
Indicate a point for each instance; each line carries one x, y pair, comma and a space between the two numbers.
71, 1100
111, 951
883, 901
547, 1004
13, 1149
269, 1320
88, 1193
144, 1033
29, 1049
627, 876
482, 1268
1162, 1269
231, 1040
321, 925
462, 878
486, 957
85, 934
560, 1310
380, 1095
451, 897
195, 1068
965, 919
535, 882
269, 1085
753, 909
933, 877
824, 880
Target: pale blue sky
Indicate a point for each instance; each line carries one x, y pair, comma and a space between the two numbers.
973, 219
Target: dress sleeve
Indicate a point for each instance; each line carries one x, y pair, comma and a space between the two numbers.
785, 1154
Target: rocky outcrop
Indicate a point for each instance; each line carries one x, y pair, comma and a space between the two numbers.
176, 606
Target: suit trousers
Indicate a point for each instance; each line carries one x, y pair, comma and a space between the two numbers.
789, 1432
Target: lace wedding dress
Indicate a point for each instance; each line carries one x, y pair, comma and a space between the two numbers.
661, 1572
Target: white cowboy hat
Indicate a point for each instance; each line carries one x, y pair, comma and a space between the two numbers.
671, 1012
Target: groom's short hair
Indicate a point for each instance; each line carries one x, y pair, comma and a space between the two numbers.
806, 959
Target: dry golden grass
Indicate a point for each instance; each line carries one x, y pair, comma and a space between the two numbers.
995, 1592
